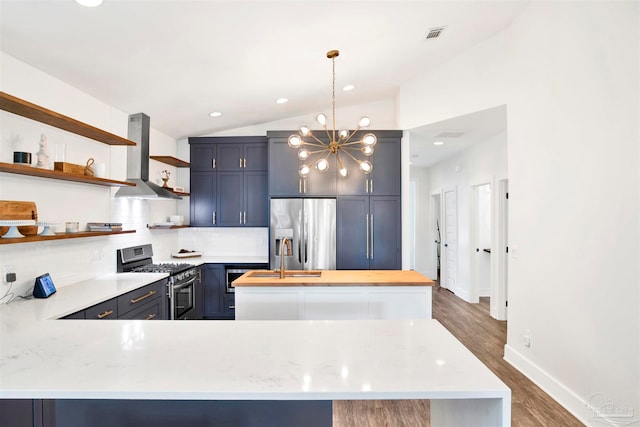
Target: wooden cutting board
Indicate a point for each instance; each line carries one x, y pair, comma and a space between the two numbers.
11, 209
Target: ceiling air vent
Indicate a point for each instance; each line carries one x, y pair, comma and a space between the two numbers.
434, 32
449, 134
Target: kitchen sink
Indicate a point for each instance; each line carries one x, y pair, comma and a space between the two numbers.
276, 274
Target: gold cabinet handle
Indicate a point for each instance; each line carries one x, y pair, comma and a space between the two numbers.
105, 314
245, 163
145, 296
149, 317
240, 162
233, 307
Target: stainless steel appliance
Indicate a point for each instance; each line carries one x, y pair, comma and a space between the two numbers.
232, 272
310, 225
181, 283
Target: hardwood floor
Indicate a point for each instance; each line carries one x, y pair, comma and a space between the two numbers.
483, 336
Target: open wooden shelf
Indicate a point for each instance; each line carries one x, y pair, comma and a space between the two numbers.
170, 160
35, 112
65, 176
180, 193
36, 238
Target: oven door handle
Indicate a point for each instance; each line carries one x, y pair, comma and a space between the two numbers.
185, 284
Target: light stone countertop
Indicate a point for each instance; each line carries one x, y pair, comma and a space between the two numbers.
227, 360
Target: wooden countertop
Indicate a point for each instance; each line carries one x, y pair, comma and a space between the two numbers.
335, 278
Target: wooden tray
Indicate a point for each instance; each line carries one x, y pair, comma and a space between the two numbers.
69, 167
11, 209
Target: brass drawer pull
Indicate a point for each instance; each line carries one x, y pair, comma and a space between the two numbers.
149, 317
105, 314
145, 296
232, 307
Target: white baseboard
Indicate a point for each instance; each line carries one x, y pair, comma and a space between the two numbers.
568, 399
462, 294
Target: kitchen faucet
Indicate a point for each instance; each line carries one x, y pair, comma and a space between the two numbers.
284, 243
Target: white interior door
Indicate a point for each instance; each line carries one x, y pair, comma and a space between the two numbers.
450, 239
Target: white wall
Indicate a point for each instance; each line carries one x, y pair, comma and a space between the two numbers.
71, 260
568, 73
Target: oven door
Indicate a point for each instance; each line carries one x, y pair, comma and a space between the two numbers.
184, 300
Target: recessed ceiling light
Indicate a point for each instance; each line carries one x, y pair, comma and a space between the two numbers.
89, 3
438, 143
215, 114
282, 101
347, 88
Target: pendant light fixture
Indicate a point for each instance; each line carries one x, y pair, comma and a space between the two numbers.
314, 151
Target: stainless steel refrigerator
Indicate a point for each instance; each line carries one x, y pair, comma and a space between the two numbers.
310, 225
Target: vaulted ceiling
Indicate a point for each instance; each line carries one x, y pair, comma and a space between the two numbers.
180, 60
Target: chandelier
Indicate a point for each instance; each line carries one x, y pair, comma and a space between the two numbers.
313, 151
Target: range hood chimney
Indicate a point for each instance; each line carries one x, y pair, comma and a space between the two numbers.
138, 163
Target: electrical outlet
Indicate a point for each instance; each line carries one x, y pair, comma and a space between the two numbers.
526, 338
6, 270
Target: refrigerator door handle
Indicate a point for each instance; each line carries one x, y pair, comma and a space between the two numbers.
367, 232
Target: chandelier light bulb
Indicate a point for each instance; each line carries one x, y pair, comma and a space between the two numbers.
367, 150
304, 170
366, 167
343, 172
364, 122
303, 154
322, 165
304, 130
295, 141
343, 134
369, 140
321, 118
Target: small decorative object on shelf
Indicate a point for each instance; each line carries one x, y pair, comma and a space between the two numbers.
88, 169
22, 158
165, 178
13, 227
104, 226
43, 155
46, 230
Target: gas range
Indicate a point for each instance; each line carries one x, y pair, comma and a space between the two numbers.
168, 267
181, 283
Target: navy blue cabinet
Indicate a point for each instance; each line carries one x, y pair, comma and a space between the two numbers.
368, 233
203, 200
199, 290
234, 192
284, 179
384, 180
214, 290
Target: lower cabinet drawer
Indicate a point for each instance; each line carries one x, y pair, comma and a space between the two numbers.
229, 306
103, 311
134, 299
150, 311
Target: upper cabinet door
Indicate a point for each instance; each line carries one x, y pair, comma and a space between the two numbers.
284, 180
203, 157
255, 157
385, 180
230, 157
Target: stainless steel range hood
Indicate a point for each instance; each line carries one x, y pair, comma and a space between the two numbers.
138, 163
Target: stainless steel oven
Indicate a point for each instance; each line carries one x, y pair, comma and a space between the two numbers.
232, 272
182, 296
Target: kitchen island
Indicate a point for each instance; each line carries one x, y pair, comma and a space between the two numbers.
333, 295
56, 373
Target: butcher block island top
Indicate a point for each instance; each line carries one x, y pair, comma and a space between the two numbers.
333, 278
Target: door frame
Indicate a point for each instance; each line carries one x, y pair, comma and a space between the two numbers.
474, 294
499, 262
436, 214
443, 225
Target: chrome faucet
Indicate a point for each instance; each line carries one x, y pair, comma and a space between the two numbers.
284, 243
